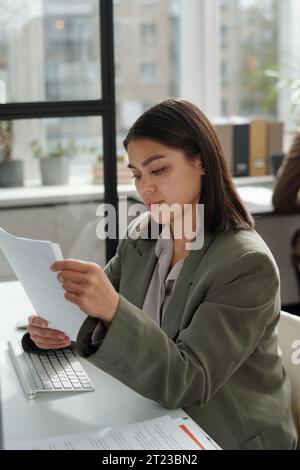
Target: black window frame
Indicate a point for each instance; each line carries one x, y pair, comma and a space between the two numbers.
104, 107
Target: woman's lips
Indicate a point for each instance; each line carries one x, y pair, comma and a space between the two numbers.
149, 204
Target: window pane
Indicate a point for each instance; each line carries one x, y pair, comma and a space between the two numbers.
249, 45
149, 34
49, 50
30, 140
146, 56
79, 138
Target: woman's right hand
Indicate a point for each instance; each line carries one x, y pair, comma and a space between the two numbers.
44, 337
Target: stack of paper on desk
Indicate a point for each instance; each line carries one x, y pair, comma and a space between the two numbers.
162, 433
31, 261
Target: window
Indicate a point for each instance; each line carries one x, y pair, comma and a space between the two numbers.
149, 34
237, 52
56, 72
249, 35
56, 50
223, 35
2, 92
51, 52
149, 74
224, 73
82, 134
117, 33
149, 2
148, 50
224, 107
118, 74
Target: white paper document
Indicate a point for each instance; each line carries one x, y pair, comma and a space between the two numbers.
162, 433
31, 261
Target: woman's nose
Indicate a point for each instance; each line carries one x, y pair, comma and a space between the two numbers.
147, 186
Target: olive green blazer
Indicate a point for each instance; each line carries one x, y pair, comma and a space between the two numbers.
216, 353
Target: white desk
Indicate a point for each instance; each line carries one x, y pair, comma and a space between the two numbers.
51, 414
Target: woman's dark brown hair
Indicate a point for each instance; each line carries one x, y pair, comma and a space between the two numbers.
181, 125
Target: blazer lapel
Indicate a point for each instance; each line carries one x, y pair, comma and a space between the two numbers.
177, 303
140, 264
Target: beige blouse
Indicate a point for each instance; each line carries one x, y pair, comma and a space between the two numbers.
162, 283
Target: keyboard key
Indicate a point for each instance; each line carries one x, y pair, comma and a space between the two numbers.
48, 386
75, 382
57, 385
61, 375
71, 375
77, 386
67, 385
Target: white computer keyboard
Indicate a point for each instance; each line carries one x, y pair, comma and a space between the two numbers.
58, 371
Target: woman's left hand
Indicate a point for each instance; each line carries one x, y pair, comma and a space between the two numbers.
87, 286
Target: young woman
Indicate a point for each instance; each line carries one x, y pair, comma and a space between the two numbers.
188, 328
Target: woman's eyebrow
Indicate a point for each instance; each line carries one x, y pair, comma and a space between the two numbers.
148, 160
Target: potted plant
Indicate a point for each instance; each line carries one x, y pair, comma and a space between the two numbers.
54, 166
11, 171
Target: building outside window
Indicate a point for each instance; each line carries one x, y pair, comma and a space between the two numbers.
149, 73
149, 52
149, 34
